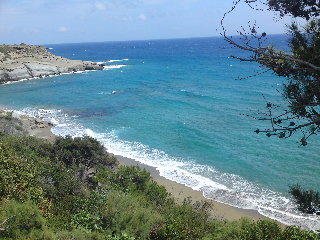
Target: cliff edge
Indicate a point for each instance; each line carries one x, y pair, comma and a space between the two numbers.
24, 61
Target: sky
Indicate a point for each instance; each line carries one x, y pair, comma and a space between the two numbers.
72, 21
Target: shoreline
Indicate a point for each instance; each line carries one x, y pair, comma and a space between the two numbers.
180, 192
25, 62
19, 125
48, 76
105, 67
42, 129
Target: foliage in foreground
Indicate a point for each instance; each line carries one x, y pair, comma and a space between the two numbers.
299, 66
307, 200
74, 190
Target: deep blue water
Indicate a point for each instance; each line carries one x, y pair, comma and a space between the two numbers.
179, 107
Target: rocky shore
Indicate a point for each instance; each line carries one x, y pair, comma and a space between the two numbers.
18, 62
19, 125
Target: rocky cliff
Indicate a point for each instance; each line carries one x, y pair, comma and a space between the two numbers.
23, 61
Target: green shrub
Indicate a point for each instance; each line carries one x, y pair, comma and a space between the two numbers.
222, 230
62, 187
294, 233
125, 213
84, 151
87, 214
79, 235
133, 179
115, 212
126, 178
20, 220
308, 200
157, 194
121, 237
171, 231
184, 221
261, 230
30, 148
18, 177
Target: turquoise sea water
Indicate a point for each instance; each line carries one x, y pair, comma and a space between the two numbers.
179, 108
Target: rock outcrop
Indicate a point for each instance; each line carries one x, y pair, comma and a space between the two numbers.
23, 61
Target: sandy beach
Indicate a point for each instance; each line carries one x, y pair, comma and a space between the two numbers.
42, 129
180, 192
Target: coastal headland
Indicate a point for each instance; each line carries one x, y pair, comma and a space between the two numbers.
19, 62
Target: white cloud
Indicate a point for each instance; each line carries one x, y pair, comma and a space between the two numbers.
142, 17
100, 6
63, 29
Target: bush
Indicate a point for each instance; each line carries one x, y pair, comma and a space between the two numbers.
308, 200
222, 230
114, 212
261, 230
62, 187
28, 147
125, 213
294, 233
120, 237
133, 179
87, 214
157, 194
20, 220
171, 231
84, 151
185, 221
19, 178
126, 178
79, 235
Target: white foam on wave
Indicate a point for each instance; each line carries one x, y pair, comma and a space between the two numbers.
118, 60
27, 79
113, 67
226, 188
57, 75
44, 114
111, 61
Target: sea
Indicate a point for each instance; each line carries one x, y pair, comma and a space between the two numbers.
187, 108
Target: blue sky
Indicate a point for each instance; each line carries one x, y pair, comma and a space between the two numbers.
66, 21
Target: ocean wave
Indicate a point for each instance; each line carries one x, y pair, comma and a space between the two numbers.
222, 187
119, 60
111, 61
113, 67
66, 73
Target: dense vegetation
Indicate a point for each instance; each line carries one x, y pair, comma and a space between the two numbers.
73, 189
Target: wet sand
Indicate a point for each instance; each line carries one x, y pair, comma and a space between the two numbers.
180, 192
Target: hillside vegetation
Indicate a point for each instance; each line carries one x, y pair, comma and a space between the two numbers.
74, 189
